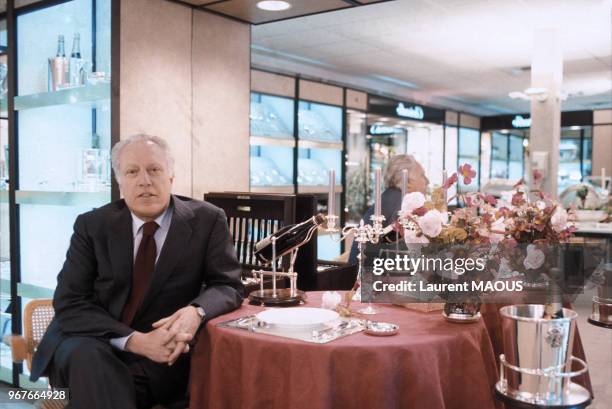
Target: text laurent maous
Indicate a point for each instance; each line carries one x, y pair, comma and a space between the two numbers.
404, 286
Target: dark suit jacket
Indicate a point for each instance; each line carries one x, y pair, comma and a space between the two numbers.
197, 264
391, 203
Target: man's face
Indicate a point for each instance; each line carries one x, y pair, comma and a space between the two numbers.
144, 179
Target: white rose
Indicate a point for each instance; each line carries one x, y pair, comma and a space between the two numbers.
410, 237
413, 201
559, 219
535, 258
431, 223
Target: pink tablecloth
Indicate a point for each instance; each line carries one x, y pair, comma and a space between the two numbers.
430, 364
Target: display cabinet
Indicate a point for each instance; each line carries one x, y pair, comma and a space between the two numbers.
319, 146
61, 107
272, 143
5, 244
507, 156
575, 153
451, 156
357, 166
320, 149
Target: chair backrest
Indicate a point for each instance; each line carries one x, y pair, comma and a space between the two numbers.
251, 217
37, 316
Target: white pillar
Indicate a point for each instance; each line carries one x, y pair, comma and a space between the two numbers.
546, 73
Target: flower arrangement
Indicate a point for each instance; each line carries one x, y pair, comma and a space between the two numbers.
520, 216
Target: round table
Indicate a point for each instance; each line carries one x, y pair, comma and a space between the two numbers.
430, 364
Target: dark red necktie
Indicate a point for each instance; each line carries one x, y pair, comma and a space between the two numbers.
144, 265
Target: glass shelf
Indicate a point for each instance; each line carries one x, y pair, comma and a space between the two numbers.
270, 141
81, 199
34, 291
288, 189
307, 144
317, 189
79, 95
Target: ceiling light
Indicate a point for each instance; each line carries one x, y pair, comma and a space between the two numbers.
504, 131
273, 5
384, 119
535, 91
518, 95
574, 128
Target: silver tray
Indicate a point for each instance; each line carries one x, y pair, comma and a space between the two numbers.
339, 329
461, 318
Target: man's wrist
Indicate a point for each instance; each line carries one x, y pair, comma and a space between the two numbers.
200, 311
132, 343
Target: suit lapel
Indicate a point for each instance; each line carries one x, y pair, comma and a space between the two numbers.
176, 241
121, 250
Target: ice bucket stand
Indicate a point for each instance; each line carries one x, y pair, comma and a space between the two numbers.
534, 370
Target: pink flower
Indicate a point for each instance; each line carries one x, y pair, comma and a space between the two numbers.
467, 172
559, 219
535, 258
431, 223
450, 181
490, 199
537, 176
413, 201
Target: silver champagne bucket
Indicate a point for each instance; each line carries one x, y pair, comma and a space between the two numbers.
602, 302
536, 365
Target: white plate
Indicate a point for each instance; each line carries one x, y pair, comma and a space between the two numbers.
297, 318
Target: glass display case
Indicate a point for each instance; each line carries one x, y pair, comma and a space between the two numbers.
516, 158
320, 148
272, 143
357, 166
62, 107
575, 153
426, 144
507, 156
499, 156
451, 152
469, 152
6, 363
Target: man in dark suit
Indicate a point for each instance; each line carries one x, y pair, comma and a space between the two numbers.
141, 275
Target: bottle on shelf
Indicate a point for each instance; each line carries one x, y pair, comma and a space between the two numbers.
287, 238
76, 62
58, 67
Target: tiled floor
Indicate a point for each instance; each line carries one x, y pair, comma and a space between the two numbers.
597, 344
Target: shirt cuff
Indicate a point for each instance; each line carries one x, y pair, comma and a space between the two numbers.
120, 343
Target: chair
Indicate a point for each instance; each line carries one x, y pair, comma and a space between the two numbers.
251, 217
37, 316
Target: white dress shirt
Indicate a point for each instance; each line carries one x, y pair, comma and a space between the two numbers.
163, 221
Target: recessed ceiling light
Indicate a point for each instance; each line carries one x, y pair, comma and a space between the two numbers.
273, 5
574, 128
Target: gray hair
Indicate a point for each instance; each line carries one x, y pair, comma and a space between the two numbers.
141, 137
393, 171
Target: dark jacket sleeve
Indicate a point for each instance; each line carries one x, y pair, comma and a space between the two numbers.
75, 303
222, 288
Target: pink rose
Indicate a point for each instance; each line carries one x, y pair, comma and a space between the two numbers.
535, 258
559, 219
431, 223
413, 201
